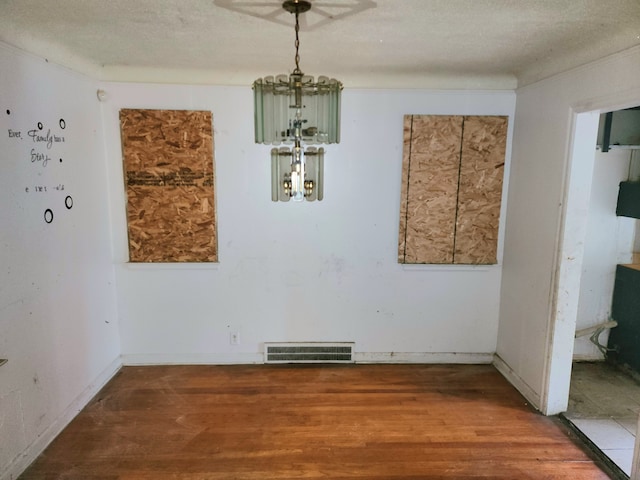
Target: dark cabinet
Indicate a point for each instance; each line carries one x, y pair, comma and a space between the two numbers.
625, 338
629, 200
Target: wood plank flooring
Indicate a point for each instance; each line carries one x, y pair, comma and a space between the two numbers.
374, 422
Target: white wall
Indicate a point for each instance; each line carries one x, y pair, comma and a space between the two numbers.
58, 321
322, 271
535, 344
608, 242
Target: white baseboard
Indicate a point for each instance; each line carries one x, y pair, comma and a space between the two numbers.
258, 358
515, 380
192, 358
423, 357
23, 460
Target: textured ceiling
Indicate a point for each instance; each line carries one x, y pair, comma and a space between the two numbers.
364, 43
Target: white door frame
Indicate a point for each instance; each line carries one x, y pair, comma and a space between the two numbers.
570, 246
566, 282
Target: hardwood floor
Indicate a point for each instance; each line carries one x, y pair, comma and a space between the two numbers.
391, 422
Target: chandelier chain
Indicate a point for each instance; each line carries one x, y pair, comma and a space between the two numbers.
297, 44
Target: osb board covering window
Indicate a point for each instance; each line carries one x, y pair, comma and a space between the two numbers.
169, 179
452, 171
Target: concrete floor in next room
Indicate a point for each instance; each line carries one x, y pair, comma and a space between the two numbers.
604, 404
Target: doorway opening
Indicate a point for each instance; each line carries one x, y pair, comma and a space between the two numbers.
604, 396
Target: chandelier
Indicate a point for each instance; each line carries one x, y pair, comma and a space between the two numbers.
294, 111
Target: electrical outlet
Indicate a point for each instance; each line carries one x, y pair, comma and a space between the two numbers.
234, 338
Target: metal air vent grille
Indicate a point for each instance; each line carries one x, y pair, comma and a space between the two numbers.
341, 352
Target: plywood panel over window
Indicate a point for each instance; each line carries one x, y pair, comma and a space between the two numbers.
169, 181
451, 188
480, 192
430, 184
